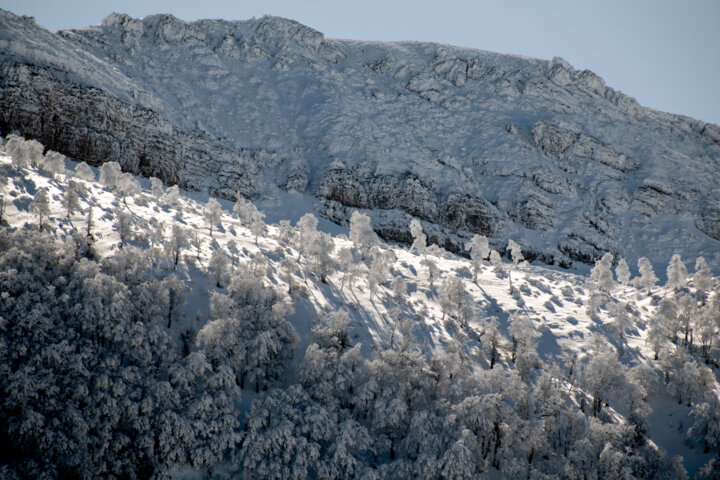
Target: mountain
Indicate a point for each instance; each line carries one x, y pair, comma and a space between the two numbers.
465, 140
149, 338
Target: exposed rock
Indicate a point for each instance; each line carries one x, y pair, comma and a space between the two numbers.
551, 138
91, 125
712, 132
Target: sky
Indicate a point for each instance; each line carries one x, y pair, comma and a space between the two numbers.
662, 52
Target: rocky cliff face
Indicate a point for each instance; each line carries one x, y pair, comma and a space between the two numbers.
465, 140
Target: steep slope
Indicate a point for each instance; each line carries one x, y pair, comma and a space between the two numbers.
565, 321
465, 140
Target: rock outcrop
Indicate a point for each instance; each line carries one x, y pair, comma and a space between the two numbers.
465, 140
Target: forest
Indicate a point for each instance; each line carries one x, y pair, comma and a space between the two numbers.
147, 334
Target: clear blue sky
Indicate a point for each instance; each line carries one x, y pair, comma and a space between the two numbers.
665, 53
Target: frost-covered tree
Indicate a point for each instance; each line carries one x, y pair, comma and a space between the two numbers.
83, 171
124, 226
602, 273
419, 237
647, 278
307, 228
378, 273
196, 241
15, 148
707, 424
362, 234
126, 185
690, 382
491, 340
602, 375
479, 250
432, 269
218, 266
676, 272
172, 196
40, 205
110, 173
515, 252
54, 163
347, 265
178, 241
70, 199
621, 319
212, 214
34, 152
284, 433
249, 331
524, 336
702, 279
156, 189
320, 251
622, 272
455, 301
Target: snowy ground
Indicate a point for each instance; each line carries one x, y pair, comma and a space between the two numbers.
555, 301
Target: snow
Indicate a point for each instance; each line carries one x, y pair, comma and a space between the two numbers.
553, 299
295, 105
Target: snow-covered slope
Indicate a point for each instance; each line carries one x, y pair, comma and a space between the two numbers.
468, 141
428, 295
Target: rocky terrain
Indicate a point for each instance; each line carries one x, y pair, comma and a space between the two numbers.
467, 141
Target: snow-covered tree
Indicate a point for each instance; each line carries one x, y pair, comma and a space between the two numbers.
432, 269
54, 163
196, 241
124, 226
707, 424
419, 237
34, 152
602, 273
110, 173
249, 331
515, 252
647, 278
172, 196
455, 301
362, 234
41, 206
347, 265
15, 148
320, 251
379, 272
70, 199
218, 267
621, 319
491, 340
479, 250
676, 272
126, 186
156, 189
690, 382
83, 171
212, 214
178, 241
622, 272
524, 336
603, 375
702, 279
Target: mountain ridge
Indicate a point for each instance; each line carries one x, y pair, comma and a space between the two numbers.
467, 141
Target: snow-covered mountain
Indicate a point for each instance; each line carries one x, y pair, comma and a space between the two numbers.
138, 307
467, 141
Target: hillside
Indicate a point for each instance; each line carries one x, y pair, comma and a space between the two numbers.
361, 358
467, 141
